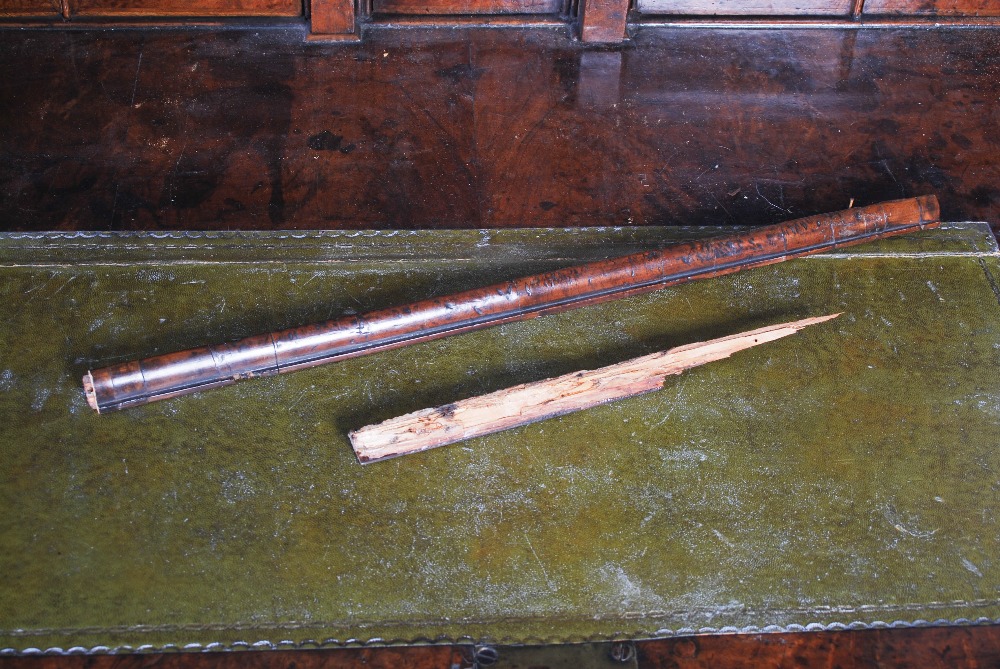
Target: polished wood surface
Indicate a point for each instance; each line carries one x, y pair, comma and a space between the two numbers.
746, 7
603, 20
467, 7
491, 128
153, 8
30, 8
934, 7
932, 648
333, 17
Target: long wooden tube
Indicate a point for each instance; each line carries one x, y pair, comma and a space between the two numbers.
164, 376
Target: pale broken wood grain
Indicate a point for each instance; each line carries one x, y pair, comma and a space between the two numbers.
531, 402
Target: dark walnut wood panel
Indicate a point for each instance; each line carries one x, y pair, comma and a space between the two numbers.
491, 128
30, 8
933, 7
931, 648
603, 20
333, 18
746, 7
461, 7
192, 8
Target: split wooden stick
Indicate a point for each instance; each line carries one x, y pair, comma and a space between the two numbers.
531, 402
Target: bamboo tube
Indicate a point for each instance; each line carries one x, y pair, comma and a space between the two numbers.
169, 375
531, 402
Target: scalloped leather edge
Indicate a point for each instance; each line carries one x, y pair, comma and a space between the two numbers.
665, 633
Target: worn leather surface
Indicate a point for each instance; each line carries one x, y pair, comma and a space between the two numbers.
844, 476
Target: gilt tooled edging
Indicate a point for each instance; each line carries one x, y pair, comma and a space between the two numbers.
637, 634
332, 643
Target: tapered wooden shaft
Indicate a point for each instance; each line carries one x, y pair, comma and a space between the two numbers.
173, 374
531, 402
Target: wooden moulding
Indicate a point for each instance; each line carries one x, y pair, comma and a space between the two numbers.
164, 376
933, 8
29, 8
746, 8
451, 7
333, 20
531, 402
603, 20
182, 8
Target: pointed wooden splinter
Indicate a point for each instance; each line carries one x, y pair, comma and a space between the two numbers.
531, 402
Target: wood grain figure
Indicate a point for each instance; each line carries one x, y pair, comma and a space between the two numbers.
532, 402
173, 374
203, 8
453, 7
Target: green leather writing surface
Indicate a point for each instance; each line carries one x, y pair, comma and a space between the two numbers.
847, 475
